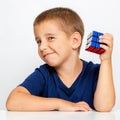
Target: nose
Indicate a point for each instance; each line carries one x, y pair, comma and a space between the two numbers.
43, 46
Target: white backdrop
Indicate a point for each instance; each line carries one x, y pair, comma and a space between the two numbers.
18, 50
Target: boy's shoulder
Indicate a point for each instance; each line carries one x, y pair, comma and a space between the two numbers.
90, 65
45, 68
90, 70
89, 62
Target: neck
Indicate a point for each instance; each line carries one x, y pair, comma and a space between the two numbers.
70, 71
70, 67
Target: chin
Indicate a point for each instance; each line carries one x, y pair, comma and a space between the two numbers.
52, 64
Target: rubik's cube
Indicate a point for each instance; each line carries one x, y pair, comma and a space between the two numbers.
93, 44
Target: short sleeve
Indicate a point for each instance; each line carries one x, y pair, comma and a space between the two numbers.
34, 83
96, 74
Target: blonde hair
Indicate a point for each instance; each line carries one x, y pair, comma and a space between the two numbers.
69, 20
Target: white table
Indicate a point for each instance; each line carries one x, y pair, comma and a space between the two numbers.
7, 115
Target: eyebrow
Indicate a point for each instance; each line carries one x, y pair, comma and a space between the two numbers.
47, 34
36, 38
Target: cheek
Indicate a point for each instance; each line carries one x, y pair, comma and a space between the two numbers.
59, 45
39, 53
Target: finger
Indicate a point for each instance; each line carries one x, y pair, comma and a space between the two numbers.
106, 48
106, 36
106, 42
84, 108
84, 105
88, 108
107, 39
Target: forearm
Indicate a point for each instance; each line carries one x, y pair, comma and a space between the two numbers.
104, 97
21, 100
26, 102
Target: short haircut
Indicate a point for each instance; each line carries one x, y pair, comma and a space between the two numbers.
68, 19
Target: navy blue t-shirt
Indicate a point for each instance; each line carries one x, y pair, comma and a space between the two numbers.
45, 82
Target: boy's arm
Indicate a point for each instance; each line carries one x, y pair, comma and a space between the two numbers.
21, 100
104, 98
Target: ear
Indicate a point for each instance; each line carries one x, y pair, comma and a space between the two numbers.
76, 40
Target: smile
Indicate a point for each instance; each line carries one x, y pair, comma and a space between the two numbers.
47, 54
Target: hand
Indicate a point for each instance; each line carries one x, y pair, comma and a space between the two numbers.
108, 40
70, 106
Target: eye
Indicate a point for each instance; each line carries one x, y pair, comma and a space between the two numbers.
51, 38
38, 41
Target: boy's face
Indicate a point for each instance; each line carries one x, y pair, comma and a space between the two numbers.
54, 46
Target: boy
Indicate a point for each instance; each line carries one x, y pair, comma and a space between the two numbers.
65, 82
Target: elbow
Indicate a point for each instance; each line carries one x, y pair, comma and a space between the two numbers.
104, 108
9, 105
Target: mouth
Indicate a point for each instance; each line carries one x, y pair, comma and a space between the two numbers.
47, 54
